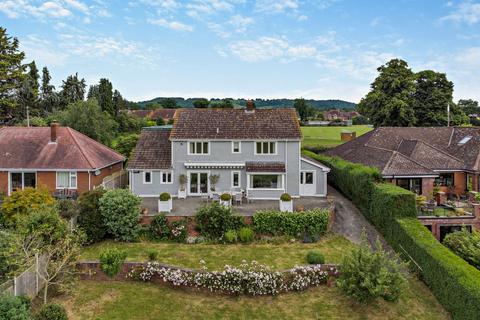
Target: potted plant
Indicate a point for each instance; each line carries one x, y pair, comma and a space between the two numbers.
213, 181
165, 202
286, 203
226, 199
182, 192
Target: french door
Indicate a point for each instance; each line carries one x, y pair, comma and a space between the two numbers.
198, 183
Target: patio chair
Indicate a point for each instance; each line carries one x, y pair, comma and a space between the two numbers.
238, 198
215, 197
248, 197
205, 197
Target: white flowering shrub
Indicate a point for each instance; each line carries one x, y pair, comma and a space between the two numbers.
247, 278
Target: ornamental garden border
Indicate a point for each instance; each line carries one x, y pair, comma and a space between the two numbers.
230, 281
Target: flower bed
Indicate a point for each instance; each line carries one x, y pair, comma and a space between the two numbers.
248, 278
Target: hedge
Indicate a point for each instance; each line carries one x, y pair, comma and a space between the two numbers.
312, 222
455, 283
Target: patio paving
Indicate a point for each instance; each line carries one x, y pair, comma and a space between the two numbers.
189, 206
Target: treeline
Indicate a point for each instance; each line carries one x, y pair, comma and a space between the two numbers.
401, 97
178, 102
28, 98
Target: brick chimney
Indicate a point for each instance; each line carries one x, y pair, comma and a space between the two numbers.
53, 131
250, 105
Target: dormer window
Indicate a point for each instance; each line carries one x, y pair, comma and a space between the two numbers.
199, 147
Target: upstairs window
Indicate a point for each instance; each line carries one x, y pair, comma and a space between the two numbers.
201, 147
236, 147
265, 147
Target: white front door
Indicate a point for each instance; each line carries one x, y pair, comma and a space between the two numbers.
307, 183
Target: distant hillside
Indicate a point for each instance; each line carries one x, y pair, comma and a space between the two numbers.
260, 103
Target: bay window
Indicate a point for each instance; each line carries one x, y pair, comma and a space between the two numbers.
266, 181
66, 180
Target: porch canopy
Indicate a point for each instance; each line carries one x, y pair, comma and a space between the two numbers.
265, 166
214, 165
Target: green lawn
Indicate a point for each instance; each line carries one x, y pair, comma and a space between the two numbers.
328, 136
279, 256
138, 300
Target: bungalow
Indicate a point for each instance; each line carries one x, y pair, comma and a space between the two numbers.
420, 158
60, 158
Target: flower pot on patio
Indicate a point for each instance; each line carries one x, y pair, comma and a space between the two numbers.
165, 202
286, 203
226, 200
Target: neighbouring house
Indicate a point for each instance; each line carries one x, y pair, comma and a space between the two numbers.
60, 158
257, 151
423, 160
420, 158
331, 115
165, 114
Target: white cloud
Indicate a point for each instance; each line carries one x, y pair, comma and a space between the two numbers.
302, 17
240, 23
199, 8
174, 25
262, 49
276, 6
78, 5
53, 9
467, 12
470, 58
375, 22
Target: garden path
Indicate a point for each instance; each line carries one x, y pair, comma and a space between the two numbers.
349, 221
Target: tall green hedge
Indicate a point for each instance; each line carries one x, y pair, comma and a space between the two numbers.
312, 222
455, 283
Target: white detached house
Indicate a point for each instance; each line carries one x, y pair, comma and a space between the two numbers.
253, 150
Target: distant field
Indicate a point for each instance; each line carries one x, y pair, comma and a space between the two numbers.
328, 136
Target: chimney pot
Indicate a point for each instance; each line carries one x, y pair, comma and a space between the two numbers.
250, 105
53, 131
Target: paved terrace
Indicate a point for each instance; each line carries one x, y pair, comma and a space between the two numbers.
189, 206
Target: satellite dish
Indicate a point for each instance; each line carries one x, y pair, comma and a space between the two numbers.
97, 172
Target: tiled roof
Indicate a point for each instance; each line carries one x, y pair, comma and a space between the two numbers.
29, 148
265, 166
236, 124
434, 148
153, 150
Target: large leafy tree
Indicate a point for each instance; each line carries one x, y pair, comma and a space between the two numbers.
11, 75
88, 118
389, 103
73, 89
169, 103
201, 103
103, 92
304, 110
469, 106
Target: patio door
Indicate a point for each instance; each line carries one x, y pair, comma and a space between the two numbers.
198, 183
307, 183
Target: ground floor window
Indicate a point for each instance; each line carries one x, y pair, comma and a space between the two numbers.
21, 180
166, 177
67, 180
235, 179
266, 181
444, 230
444, 179
414, 184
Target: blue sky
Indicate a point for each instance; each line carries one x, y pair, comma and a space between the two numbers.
240, 48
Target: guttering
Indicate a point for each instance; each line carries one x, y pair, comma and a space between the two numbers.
409, 177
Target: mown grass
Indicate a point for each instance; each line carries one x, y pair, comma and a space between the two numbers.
280, 256
328, 136
142, 301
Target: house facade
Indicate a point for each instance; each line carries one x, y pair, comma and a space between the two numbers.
420, 159
59, 158
331, 115
256, 151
